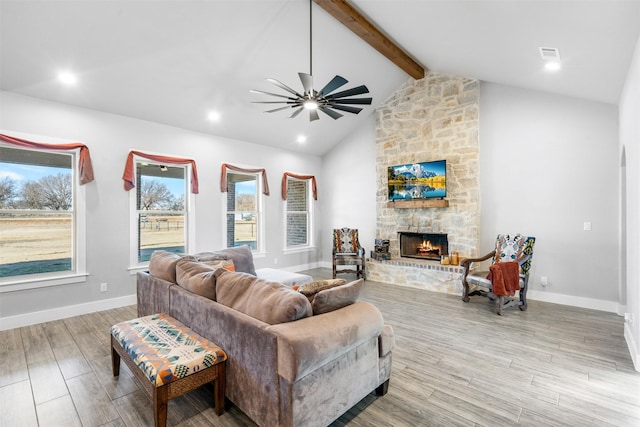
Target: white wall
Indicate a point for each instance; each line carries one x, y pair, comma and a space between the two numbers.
630, 140
348, 190
109, 138
548, 164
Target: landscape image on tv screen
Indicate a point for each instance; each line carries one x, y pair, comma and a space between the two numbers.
424, 180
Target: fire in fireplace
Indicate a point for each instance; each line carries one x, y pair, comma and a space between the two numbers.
423, 245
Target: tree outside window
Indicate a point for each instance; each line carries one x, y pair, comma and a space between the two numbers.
160, 209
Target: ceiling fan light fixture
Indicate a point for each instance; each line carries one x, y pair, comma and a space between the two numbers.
310, 104
325, 100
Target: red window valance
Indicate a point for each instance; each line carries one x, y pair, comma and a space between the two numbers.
223, 177
303, 177
129, 175
84, 162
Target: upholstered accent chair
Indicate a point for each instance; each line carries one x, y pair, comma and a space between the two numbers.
347, 251
517, 249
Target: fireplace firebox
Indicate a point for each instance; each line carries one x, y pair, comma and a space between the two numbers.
423, 245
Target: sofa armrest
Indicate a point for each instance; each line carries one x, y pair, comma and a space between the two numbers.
307, 344
386, 341
152, 294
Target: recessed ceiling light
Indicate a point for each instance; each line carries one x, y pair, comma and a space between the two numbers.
214, 116
551, 58
301, 139
552, 66
67, 78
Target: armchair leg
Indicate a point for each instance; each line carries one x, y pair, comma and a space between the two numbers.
465, 292
499, 304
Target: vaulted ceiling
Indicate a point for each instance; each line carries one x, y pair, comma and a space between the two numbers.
173, 62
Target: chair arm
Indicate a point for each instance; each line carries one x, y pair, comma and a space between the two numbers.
466, 263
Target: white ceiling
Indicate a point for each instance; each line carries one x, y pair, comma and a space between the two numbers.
173, 61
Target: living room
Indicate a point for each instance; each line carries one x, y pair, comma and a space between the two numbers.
537, 153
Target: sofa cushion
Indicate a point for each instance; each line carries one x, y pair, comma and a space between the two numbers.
162, 265
196, 277
227, 264
337, 297
241, 256
269, 302
310, 289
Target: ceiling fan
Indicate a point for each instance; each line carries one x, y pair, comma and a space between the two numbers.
325, 100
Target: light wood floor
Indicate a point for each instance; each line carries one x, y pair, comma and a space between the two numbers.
454, 364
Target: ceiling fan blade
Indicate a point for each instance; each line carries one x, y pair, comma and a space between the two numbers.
279, 109
275, 102
295, 113
313, 115
307, 82
329, 112
366, 101
335, 83
270, 93
349, 92
346, 108
284, 86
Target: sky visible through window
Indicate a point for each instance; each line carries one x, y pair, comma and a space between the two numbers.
21, 173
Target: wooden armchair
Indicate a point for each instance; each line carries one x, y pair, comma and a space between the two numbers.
348, 251
515, 249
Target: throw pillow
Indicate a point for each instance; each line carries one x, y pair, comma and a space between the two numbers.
310, 289
196, 277
336, 297
162, 264
227, 264
242, 258
269, 302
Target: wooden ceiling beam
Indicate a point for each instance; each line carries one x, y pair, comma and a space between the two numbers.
367, 31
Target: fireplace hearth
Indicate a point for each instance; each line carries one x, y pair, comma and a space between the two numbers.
423, 245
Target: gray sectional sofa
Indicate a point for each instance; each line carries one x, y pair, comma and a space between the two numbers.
293, 360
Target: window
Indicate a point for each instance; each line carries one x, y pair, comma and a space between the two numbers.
244, 210
41, 213
161, 210
298, 213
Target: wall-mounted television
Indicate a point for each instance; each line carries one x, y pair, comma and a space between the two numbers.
426, 180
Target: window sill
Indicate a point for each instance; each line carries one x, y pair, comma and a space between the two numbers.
42, 282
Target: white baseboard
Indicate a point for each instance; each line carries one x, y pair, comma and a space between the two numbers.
635, 356
33, 318
575, 301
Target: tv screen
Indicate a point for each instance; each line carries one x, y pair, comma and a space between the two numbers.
426, 180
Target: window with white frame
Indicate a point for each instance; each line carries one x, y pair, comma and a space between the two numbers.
244, 217
299, 210
160, 214
41, 215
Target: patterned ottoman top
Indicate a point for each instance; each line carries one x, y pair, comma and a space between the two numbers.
165, 349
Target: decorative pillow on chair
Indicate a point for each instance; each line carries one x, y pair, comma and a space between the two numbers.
337, 297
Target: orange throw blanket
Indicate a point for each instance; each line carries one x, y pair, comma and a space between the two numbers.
505, 278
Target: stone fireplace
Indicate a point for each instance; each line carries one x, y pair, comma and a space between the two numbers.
423, 245
435, 118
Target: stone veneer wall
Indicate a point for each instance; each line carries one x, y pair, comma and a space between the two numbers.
430, 119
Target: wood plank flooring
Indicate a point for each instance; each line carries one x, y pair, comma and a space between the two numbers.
454, 364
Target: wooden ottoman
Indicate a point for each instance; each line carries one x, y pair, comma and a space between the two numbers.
169, 359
